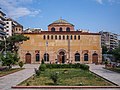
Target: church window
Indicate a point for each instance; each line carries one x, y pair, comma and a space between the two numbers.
55, 36
53, 29
85, 57
59, 37
44, 37
67, 37
46, 57
78, 37
51, 36
48, 37
71, 37
67, 29
60, 29
77, 57
74, 37
63, 37
37, 57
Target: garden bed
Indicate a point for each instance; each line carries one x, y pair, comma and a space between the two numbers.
66, 77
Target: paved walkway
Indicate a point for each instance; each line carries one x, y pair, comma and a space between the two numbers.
13, 79
107, 74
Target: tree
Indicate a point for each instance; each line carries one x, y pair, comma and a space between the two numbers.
12, 42
116, 54
9, 59
104, 50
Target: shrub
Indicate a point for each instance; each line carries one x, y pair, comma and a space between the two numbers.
42, 62
54, 77
21, 64
78, 65
37, 72
42, 67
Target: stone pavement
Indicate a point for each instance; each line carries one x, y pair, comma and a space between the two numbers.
107, 74
15, 78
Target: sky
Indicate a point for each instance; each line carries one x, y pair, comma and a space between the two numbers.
92, 15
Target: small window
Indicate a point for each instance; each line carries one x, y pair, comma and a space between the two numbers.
74, 37
67, 29
71, 37
53, 29
37, 57
19, 29
7, 22
46, 57
7, 26
78, 37
59, 37
67, 37
63, 37
56, 37
44, 37
48, 37
60, 29
85, 57
51, 36
77, 57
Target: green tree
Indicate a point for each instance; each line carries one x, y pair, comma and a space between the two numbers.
12, 42
9, 59
116, 54
104, 50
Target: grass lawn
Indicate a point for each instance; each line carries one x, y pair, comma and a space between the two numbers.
6, 72
67, 77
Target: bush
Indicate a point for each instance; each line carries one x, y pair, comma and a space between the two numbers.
78, 65
37, 72
42, 67
21, 64
54, 77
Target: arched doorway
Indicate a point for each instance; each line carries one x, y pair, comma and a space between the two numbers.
95, 58
28, 58
61, 57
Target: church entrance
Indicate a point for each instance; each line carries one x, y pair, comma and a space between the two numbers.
61, 57
95, 58
28, 58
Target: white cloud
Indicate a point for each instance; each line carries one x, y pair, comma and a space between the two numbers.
100, 1
14, 8
109, 1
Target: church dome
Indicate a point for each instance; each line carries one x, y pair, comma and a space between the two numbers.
61, 21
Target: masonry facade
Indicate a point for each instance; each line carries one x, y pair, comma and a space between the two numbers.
61, 44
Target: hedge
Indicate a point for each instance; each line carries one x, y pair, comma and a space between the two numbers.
81, 66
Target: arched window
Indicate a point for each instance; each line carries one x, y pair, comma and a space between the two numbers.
37, 57
63, 37
59, 37
67, 37
46, 57
78, 37
74, 37
77, 57
53, 29
51, 36
71, 37
48, 37
44, 37
85, 57
67, 29
60, 29
56, 37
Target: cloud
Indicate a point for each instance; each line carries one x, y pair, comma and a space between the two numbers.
108, 1
16, 8
100, 1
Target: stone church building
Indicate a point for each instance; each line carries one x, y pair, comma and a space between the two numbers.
61, 44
